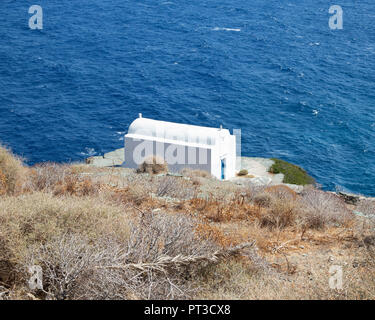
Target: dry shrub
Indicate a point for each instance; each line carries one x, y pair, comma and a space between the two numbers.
141, 188
66, 260
281, 192
263, 200
75, 185
46, 176
319, 209
12, 172
217, 211
280, 204
60, 179
209, 232
31, 219
364, 228
135, 194
153, 165
175, 187
250, 192
280, 214
197, 181
366, 207
158, 234
217, 190
159, 260
314, 209
223, 211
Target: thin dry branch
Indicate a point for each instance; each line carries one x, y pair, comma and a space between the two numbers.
163, 263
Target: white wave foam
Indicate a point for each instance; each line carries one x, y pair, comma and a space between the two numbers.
227, 29
89, 152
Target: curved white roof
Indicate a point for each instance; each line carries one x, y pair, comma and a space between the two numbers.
176, 131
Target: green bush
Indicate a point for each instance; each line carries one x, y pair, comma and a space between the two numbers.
292, 173
243, 172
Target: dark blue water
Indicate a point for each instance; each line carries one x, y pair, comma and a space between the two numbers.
298, 90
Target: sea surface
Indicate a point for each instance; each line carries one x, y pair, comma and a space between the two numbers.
274, 69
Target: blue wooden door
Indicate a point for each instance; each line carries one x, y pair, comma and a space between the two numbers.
222, 169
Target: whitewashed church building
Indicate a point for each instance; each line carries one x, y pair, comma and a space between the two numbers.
181, 146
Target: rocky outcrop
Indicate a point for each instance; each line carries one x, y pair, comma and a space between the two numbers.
351, 198
110, 159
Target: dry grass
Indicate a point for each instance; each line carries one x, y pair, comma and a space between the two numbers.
238, 281
139, 189
136, 188
293, 267
364, 227
281, 192
366, 207
175, 188
197, 177
36, 218
12, 172
115, 234
3, 183
195, 173
93, 250
223, 211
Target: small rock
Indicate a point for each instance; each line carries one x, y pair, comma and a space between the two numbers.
260, 181
331, 259
369, 241
302, 247
173, 174
348, 197
294, 187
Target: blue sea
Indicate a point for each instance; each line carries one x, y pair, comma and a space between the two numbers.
274, 69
